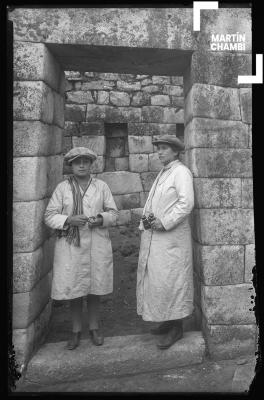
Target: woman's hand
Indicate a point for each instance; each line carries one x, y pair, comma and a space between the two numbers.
156, 225
95, 221
77, 220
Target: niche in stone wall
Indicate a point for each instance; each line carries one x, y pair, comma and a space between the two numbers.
116, 157
180, 131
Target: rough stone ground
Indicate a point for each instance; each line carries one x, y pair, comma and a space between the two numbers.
223, 376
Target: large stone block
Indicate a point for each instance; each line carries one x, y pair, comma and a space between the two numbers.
112, 114
140, 99
160, 100
224, 226
75, 112
154, 162
220, 163
27, 270
160, 80
246, 105
177, 80
98, 165
177, 101
140, 144
29, 230
108, 76
34, 62
98, 85
151, 89
119, 98
247, 193
23, 341
218, 192
58, 115
41, 325
34, 138
146, 81
122, 182
33, 101
228, 305
126, 86
95, 143
121, 164
152, 114
127, 201
80, 97
250, 262
102, 97
151, 129
28, 305
147, 179
212, 102
138, 162
173, 90
29, 178
229, 342
173, 115
91, 129
218, 68
55, 169
219, 265
207, 132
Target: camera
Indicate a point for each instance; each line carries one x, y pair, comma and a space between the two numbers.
147, 220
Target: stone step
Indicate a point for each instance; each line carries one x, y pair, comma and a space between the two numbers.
119, 356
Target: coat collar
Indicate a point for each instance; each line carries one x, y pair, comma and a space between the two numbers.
167, 170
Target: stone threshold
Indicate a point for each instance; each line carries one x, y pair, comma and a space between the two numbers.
119, 356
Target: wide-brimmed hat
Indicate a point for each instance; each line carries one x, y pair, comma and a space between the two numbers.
77, 152
171, 140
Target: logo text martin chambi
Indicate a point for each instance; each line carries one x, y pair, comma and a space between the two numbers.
228, 41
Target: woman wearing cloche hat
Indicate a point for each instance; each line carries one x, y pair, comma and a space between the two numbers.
80, 210
165, 275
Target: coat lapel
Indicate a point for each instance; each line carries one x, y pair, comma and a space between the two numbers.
167, 173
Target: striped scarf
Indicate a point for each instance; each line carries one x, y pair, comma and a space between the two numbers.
72, 234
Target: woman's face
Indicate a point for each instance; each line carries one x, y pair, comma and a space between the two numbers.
166, 153
81, 166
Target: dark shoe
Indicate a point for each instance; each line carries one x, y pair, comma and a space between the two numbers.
74, 340
97, 337
164, 327
174, 334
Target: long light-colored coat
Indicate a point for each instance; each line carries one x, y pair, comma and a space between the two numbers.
88, 269
165, 273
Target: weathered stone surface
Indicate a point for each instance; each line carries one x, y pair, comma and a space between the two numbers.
228, 342
91, 128
247, 193
33, 101
151, 129
29, 230
110, 164
28, 305
172, 115
34, 138
138, 162
250, 262
74, 75
250, 136
152, 114
75, 113
102, 97
122, 182
23, 340
218, 68
212, 102
71, 128
140, 99
116, 147
224, 226
177, 80
246, 105
77, 85
160, 80
41, 324
67, 144
160, 100
154, 162
119, 98
207, 132
127, 201
121, 163
98, 165
58, 115
228, 304
143, 198
218, 192
121, 85
151, 89
219, 265
140, 77
29, 178
220, 163
98, 85
113, 114
80, 97
126, 77
140, 144
95, 143
146, 82
108, 76
34, 62
124, 217
147, 179
177, 101
54, 175
173, 90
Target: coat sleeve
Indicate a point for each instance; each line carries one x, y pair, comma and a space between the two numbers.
110, 212
53, 216
185, 202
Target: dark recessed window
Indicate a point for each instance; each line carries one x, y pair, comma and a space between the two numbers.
116, 147
180, 131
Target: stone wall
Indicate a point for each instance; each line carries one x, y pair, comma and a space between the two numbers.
118, 116
39, 85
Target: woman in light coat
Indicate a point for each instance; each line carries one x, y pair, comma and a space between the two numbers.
80, 210
165, 274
